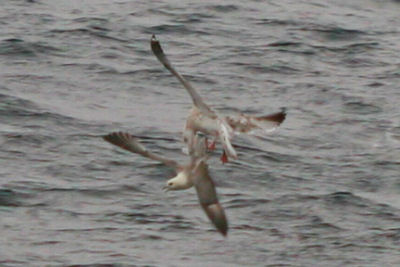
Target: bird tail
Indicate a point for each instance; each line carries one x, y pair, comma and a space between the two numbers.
225, 134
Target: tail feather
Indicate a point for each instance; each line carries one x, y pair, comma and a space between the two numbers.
225, 134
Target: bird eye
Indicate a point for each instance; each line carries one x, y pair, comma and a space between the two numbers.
170, 183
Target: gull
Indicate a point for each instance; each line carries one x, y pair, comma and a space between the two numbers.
202, 118
195, 173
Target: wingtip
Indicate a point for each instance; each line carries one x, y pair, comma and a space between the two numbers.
155, 46
123, 140
283, 112
282, 115
109, 136
216, 214
278, 117
112, 135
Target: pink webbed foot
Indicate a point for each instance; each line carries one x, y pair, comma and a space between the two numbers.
224, 158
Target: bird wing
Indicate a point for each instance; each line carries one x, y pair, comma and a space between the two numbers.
208, 198
196, 98
130, 143
245, 123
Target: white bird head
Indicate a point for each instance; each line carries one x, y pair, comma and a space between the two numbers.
180, 182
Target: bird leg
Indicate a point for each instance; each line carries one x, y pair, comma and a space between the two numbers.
210, 146
224, 158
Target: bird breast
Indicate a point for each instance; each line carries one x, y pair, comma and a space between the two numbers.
197, 121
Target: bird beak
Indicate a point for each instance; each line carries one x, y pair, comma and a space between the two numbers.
165, 188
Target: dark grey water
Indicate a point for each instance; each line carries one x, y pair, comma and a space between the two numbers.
322, 190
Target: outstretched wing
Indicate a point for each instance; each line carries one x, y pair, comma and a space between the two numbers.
196, 98
245, 123
130, 143
208, 198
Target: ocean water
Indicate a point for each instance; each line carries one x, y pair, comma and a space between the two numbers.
321, 190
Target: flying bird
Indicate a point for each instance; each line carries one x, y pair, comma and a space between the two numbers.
195, 173
202, 118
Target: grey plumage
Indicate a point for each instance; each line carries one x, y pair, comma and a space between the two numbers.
196, 98
208, 198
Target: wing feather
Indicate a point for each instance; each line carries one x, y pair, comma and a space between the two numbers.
245, 123
196, 98
208, 198
130, 143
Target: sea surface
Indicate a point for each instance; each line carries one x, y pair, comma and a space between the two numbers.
321, 190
